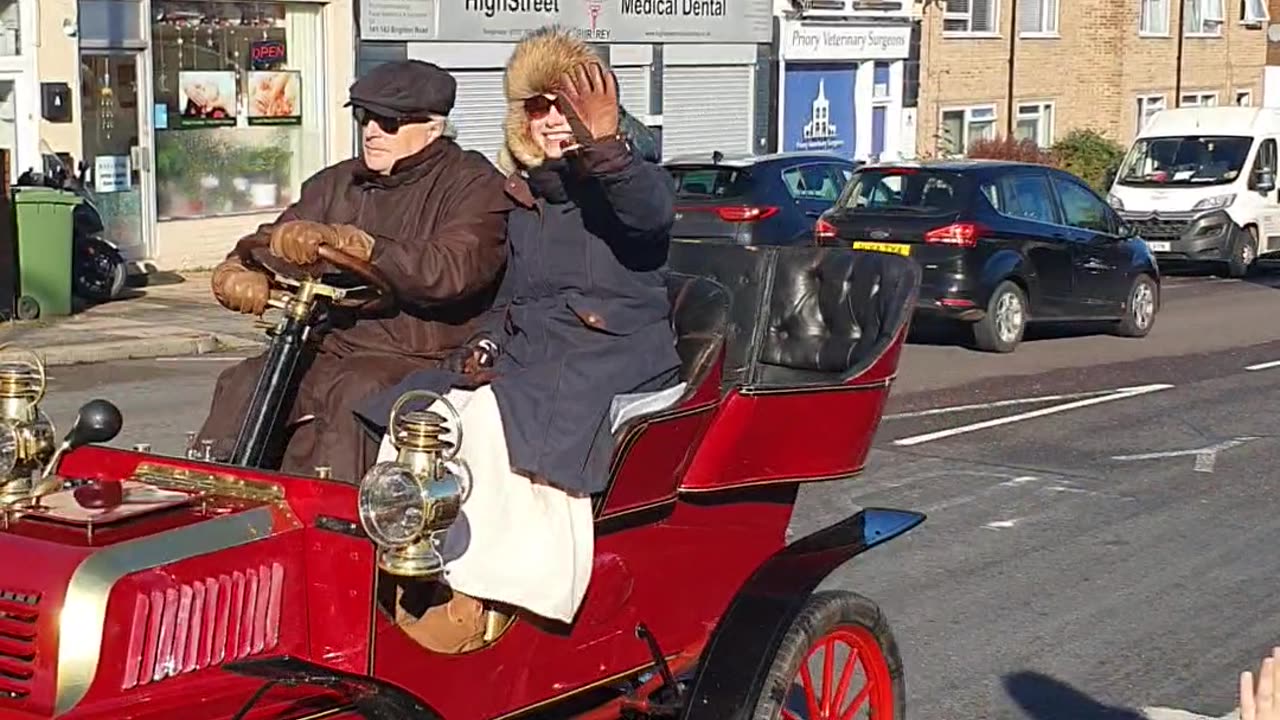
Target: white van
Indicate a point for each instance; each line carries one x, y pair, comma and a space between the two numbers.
1199, 186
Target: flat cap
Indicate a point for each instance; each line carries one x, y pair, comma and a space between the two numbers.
405, 88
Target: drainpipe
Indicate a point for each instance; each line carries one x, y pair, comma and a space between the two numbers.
1177, 76
1013, 42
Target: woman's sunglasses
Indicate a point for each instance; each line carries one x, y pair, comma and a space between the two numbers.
389, 125
538, 106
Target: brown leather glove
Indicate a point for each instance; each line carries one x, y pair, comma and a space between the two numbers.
588, 97
239, 288
297, 240
354, 242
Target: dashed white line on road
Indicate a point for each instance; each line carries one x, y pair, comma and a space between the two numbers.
1206, 456
995, 404
1001, 524
1119, 394
1263, 366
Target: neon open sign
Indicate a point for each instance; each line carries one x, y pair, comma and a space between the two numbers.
266, 53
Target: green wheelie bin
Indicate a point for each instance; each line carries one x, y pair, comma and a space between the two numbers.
44, 240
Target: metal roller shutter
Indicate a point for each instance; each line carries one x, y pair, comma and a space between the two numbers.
479, 111
706, 108
633, 88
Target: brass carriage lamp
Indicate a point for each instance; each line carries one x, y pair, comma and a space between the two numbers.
406, 505
27, 435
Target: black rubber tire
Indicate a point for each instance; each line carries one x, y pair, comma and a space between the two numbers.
1129, 327
827, 611
1238, 266
27, 308
985, 335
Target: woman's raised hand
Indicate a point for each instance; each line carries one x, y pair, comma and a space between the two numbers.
1260, 703
588, 98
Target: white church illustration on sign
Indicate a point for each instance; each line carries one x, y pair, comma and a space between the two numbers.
820, 132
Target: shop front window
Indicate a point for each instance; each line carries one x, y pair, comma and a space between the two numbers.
238, 100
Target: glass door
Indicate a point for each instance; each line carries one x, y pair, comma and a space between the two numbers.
117, 138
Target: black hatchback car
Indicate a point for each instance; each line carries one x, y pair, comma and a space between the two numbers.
756, 200
1001, 244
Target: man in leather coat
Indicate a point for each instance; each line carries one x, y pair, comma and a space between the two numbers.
430, 215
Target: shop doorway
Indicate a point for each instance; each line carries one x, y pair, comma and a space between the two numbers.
117, 145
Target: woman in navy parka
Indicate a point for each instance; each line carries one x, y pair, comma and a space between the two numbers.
582, 316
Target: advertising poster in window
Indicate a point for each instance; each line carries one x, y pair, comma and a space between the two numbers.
818, 112
275, 97
207, 98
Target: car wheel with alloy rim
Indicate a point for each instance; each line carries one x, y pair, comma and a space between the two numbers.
1140, 308
1006, 319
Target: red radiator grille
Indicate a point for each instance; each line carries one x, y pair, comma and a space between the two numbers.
195, 625
18, 614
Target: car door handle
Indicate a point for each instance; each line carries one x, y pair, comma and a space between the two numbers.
1095, 264
813, 213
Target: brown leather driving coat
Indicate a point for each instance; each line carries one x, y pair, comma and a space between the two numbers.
439, 225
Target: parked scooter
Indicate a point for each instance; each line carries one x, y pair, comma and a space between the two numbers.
98, 269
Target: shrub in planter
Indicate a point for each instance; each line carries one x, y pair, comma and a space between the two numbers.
1005, 148
1090, 156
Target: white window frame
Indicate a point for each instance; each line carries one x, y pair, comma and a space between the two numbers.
1049, 13
1212, 18
1151, 24
965, 137
1245, 93
1041, 111
1200, 99
1146, 102
967, 17
1254, 20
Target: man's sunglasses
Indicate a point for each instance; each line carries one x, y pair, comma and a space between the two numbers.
538, 107
389, 125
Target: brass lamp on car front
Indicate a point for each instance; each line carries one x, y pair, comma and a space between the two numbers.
406, 505
27, 436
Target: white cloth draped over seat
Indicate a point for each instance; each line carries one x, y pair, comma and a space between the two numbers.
523, 541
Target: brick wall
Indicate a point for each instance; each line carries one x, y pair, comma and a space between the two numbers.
1092, 69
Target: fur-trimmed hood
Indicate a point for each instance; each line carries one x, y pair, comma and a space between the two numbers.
535, 67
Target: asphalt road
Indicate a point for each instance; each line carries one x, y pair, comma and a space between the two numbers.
1055, 579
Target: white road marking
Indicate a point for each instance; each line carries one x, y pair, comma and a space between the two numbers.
1206, 456
1164, 713
995, 404
200, 358
1001, 524
1119, 394
1263, 366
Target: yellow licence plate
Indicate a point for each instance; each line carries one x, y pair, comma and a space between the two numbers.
894, 248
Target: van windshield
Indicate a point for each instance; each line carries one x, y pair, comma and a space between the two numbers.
1197, 160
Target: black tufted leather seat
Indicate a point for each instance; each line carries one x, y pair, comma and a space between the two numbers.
700, 314
804, 315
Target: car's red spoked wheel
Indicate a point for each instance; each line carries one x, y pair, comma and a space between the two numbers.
844, 677
838, 661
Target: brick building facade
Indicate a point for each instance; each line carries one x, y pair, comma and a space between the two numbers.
1097, 64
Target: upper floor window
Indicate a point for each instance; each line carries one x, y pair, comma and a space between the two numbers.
969, 16
1254, 11
1202, 17
1155, 17
10, 28
1244, 98
1038, 17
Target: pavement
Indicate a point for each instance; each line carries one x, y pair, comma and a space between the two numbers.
1102, 526
174, 315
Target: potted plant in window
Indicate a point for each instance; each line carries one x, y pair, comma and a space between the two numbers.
267, 170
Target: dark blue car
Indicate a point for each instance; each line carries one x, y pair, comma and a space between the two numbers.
756, 200
1001, 244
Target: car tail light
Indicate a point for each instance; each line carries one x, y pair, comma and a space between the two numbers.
961, 234
748, 213
823, 231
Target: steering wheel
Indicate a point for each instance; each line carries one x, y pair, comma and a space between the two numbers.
337, 286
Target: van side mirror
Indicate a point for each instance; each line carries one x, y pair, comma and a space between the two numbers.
1266, 181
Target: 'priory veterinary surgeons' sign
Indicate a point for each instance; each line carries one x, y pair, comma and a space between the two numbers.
844, 42
624, 21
